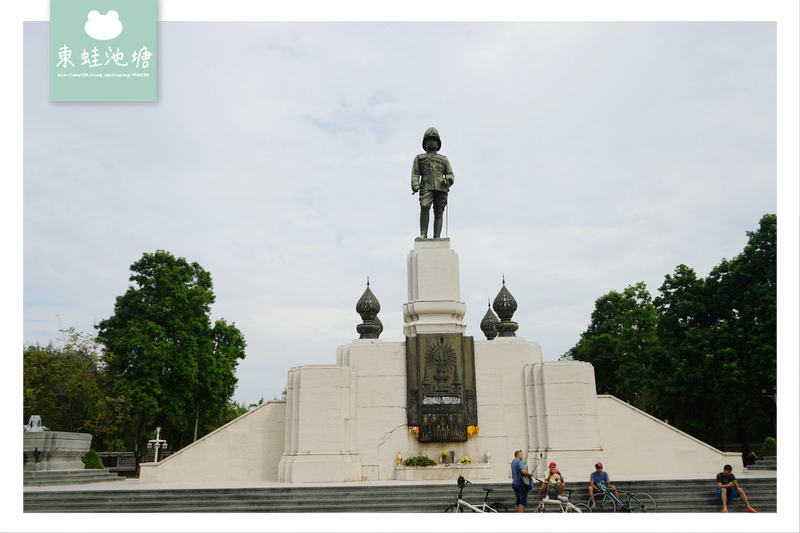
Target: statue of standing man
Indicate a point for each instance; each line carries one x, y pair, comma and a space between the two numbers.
432, 177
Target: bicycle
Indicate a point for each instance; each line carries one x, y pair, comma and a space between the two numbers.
459, 504
563, 503
637, 502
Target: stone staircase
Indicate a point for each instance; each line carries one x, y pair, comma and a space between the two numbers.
767, 463
67, 477
694, 496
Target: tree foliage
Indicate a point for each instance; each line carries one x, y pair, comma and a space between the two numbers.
620, 343
702, 354
163, 354
65, 384
60, 385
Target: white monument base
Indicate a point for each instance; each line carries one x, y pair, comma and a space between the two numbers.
471, 472
320, 467
347, 421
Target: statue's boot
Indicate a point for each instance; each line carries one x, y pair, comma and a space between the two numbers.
424, 217
437, 227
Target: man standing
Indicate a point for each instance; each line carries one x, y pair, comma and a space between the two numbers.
520, 490
728, 488
431, 176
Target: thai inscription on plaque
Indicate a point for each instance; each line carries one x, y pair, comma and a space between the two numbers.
440, 369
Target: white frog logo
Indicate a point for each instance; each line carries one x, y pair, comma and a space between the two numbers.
103, 27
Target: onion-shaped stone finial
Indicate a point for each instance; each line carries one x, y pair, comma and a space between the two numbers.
505, 306
368, 307
489, 322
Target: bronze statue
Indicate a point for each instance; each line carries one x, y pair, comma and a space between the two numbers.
432, 177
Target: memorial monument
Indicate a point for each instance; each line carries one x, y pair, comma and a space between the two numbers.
437, 389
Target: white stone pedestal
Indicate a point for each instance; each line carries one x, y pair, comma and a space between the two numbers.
434, 290
55, 450
320, 425
444, 473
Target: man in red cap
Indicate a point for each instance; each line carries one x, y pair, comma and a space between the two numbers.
595, 479
553, 484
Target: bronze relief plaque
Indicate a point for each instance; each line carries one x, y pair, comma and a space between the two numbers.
440, 368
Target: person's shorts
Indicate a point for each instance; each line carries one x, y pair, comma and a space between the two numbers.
521, 494
732, 492
437, 198
552, 492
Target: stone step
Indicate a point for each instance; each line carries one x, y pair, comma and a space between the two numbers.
767, 463
671, 496
67, 477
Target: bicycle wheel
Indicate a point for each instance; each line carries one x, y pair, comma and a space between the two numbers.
500, 507
641, 502
601, 502
454, 509
578, 508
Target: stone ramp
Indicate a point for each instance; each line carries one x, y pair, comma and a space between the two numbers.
672, 496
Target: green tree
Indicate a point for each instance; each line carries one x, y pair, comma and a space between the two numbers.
743, 306
683, 370
164, 356
621, 342
60, 385
65, 385
703, 353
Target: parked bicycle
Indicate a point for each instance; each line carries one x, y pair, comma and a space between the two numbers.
459, 505
635, 502
562, 502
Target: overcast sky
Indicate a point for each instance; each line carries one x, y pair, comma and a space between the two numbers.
587, 156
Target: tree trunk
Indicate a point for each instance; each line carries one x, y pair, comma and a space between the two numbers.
196, 422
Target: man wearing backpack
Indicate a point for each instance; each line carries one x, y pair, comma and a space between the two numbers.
520, 486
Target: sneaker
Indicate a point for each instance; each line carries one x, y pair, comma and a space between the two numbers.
724, 510
594, 506
751, 510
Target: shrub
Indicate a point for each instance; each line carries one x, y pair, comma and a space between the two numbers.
419, 460
769, 448
92, 460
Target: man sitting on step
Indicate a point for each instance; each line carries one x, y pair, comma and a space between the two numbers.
728, 488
